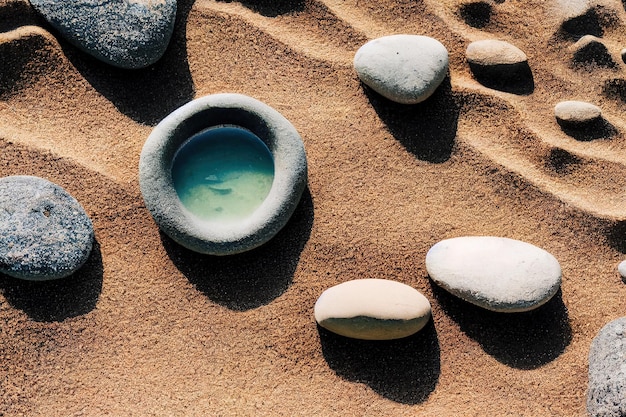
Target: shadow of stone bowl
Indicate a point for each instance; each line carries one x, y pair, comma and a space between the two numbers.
402, 370
250, 279
60, 299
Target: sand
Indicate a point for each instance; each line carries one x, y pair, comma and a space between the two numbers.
148, 328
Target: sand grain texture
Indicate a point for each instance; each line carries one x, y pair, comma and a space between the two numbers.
148, 328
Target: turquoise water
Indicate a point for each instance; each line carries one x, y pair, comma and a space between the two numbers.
223, 173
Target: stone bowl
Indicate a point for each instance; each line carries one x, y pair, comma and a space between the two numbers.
210, 236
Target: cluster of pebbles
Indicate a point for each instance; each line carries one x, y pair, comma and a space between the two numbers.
46, 234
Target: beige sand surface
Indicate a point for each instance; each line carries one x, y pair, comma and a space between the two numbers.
148, 328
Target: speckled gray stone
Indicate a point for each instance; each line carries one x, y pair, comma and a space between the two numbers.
495, 273
606, 395
403, 68
372, 309
211, 237
44, 232
127, 34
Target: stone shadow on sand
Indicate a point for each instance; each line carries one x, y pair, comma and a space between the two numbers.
427, 129
525, 340
145, 95
403, 370
16, 14
510, 78
271, 8
57, 300
596, 129
615, 232
251, 279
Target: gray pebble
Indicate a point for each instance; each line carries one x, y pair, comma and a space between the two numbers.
606, 395
44, 232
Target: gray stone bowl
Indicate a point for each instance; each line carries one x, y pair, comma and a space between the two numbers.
213, 237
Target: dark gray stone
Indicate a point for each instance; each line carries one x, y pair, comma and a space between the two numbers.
127, 34
44, 232
606, 395
210, 237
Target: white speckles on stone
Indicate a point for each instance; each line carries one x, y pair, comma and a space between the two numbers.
372, 309
403, 68
576, 112
495, 273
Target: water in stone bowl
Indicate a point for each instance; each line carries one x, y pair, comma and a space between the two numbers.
223, 173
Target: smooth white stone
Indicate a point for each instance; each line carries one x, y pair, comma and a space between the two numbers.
491, 52
576, 112
495, 273
403, 68
372, 309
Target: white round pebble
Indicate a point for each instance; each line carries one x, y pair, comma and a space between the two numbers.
372, 309
403, 68
495, 273
576, 112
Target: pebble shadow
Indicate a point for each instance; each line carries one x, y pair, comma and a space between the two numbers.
251, 279
145, 95
510, 78
403, 370
477, 14
272, 8
576, 27
615, 232
427, 129
596, 129
57, 300
15, 14
521, 340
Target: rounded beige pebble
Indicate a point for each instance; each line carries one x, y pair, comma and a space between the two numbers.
576, 112
372, 309
490, 52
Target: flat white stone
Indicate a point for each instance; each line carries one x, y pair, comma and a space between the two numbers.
491, 52
372, 309
495, 273
403, 68
576, 112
